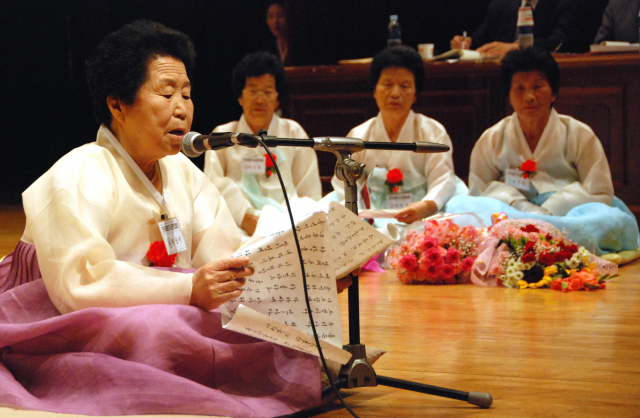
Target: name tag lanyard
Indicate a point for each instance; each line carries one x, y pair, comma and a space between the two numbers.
171, 234
164, 206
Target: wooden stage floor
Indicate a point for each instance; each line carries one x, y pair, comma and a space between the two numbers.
539, 353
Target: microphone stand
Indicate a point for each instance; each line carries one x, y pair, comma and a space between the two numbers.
359, 372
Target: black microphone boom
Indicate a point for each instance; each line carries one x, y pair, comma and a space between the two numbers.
193, 144
325, 144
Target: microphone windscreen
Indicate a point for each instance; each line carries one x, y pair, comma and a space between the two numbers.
187, 146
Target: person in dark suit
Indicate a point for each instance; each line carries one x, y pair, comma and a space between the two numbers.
619, 22
554, 20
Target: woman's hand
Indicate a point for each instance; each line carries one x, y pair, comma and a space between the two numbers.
523, 205
496, 49
416, 211
218, 282
249, 223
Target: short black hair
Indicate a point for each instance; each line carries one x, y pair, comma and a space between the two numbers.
530, 59
119, 66
401, 56
257, 64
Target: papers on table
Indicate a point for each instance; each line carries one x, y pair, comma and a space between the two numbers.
459, 54
612, 46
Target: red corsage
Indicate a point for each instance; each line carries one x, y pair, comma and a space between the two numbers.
528, 169
269, 170
158, 256
394, 180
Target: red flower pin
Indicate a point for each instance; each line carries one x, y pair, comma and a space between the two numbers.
394, 180
158, 256
528, 168
269, 164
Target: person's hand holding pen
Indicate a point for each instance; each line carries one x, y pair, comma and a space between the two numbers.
461, 41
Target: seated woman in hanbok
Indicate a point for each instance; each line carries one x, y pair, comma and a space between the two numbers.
537, 163
260, 82
427, 181
102, 332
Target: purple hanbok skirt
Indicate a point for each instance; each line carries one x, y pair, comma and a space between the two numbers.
152, 359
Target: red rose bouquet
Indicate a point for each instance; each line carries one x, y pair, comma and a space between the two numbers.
443, 254
158, 256
394, 180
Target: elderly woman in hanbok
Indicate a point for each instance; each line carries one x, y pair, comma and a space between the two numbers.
396, 77
538, 163
260, 83
102, 332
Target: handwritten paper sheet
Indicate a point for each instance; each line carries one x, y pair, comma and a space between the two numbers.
332, 245
354, 241
249, 322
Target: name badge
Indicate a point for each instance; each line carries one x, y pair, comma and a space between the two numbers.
513, 177
399, 200
253, 165
172, 236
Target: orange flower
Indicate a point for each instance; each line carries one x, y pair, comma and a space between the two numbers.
576, 284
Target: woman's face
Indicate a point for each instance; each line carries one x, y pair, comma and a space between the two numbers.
259, 100
276, 20
153, 126
395, 91
531, 95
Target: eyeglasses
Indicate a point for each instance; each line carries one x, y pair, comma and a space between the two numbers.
267, 94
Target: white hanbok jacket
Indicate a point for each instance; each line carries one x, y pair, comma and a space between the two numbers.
298, 166
92, 220
569, 157
436, 170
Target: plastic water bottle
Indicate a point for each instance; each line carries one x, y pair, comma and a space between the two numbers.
394, 37
525, 25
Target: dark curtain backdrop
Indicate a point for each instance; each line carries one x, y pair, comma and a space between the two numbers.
45, 104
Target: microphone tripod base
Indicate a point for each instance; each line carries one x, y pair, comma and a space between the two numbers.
483, 400
360, 374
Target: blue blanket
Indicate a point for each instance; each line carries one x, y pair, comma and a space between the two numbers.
600, 228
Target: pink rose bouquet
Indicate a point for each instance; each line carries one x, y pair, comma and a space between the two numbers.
443, 254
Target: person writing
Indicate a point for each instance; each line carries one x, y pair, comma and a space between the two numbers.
538, 163
554, 23
396, 76
127, 341
260, 82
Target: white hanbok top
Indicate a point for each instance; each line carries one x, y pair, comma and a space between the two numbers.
569, 158
298, 166
92, 220
436, 170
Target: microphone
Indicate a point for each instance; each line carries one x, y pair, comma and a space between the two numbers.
194, 144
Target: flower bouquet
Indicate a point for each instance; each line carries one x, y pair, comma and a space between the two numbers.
529, 253
443, 254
